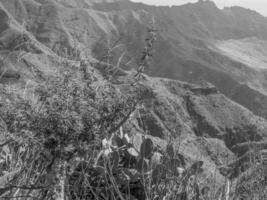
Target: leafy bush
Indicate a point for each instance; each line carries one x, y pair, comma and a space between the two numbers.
68, 141
71, 114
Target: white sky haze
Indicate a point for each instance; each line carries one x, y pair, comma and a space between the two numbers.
258, 5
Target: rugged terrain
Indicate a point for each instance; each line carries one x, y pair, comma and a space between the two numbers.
197, 43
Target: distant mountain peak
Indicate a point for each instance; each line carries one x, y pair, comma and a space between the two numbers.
242, 10
206, 4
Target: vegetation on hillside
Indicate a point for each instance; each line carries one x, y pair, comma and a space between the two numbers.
69, 141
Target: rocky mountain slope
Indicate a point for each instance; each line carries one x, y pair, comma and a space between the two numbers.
188, 47
195, 44
195, 41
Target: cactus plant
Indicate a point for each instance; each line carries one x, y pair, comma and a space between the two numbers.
146, 148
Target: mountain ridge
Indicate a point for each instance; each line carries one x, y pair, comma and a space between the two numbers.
186, 45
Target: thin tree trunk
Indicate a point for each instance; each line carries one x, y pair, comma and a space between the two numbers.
227, 192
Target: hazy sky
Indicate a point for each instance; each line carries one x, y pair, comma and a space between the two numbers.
258, 5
